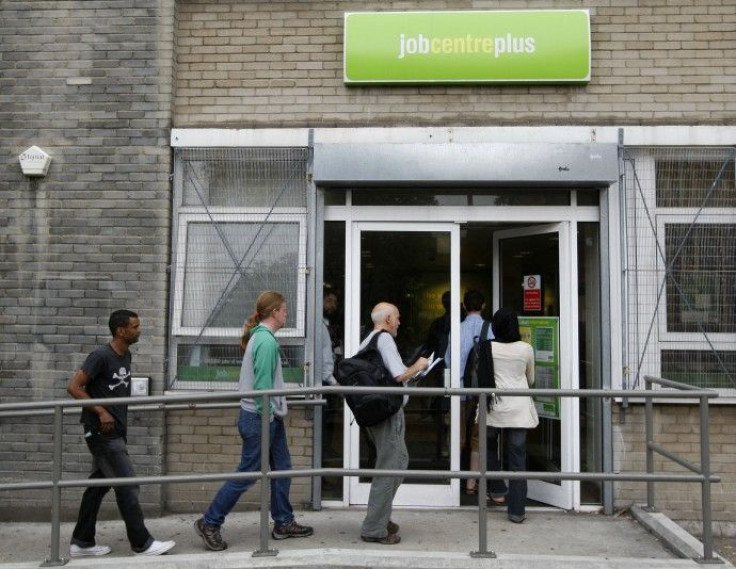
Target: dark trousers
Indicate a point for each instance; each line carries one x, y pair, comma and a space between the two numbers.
515, 451
111, 460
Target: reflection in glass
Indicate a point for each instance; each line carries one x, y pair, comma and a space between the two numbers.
411, 270
228, 264
589, 325
535, 255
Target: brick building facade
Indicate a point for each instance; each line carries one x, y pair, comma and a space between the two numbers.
100, 84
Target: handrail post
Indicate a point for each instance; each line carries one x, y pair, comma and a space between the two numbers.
53, 560
264, 551
705, 488
649, 433
483, 480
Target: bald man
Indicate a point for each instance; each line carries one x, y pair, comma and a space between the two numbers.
387, 436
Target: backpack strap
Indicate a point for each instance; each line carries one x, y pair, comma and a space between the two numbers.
373, 342
484, 330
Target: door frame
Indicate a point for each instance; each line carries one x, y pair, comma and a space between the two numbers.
354, 491
567, 494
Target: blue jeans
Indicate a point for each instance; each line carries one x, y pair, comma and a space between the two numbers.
249, 425
111, 460
515, 448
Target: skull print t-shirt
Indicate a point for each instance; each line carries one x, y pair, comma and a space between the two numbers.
110, 377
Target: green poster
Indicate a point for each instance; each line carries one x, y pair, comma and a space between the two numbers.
543, 333
521, 46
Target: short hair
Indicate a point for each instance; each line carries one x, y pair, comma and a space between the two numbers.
473, 300
120, 319
382, 311
328, 292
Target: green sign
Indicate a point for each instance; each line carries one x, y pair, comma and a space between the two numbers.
526, 46
543, 333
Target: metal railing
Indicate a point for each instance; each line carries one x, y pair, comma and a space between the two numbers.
700, 474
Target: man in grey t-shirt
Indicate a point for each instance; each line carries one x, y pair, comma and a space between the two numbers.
388, 435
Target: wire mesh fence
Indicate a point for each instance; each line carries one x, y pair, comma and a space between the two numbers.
240, 229
680, 265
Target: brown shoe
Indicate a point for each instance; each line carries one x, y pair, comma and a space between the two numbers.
210, 534
392, 528
390, 539
292, 529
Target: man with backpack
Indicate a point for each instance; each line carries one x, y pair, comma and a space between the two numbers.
471, 332
388, 435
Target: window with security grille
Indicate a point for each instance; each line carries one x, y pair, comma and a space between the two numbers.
680, 259
240, 228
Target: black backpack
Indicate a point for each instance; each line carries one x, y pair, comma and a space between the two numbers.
366, 369
479, 371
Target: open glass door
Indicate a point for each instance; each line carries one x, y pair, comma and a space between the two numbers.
410, 265
534, 274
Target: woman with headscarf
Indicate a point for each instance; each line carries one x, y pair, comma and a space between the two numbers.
513, 362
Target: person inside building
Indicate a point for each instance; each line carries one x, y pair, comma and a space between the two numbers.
260, 370
388, 435
513, 363
331, 349
106, 374
470, 331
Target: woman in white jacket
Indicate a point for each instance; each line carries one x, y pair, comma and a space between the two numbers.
513, 362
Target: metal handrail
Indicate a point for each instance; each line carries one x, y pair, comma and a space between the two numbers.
191, 401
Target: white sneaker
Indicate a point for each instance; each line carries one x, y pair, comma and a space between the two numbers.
158, 548
93, 551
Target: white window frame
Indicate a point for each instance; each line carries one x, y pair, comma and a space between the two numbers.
264, 216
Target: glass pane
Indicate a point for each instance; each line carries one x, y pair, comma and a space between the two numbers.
244, 177
521, 257
589, 325
701, 368
702, 281
333, 412
588, 197
460, 197
228, 264
689, 179
411, 270
198, 366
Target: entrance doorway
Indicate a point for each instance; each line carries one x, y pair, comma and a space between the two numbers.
412, 265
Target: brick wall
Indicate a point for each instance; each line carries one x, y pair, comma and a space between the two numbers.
208, 442
90, 82
279, 63
677, 428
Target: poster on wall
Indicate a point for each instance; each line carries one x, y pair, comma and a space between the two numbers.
543, 333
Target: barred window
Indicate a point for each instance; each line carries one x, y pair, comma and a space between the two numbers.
701, 284
681, 265
240, 227
696, 181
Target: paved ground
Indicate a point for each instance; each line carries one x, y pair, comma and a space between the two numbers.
430, 538
726, 547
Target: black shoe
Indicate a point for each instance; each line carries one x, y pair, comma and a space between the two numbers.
210, 535
392, 527
517, 519
292, 529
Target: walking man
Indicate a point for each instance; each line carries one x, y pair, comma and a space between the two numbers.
388, 435
104, 374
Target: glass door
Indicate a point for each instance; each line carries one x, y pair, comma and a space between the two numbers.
411, 265
533, 273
